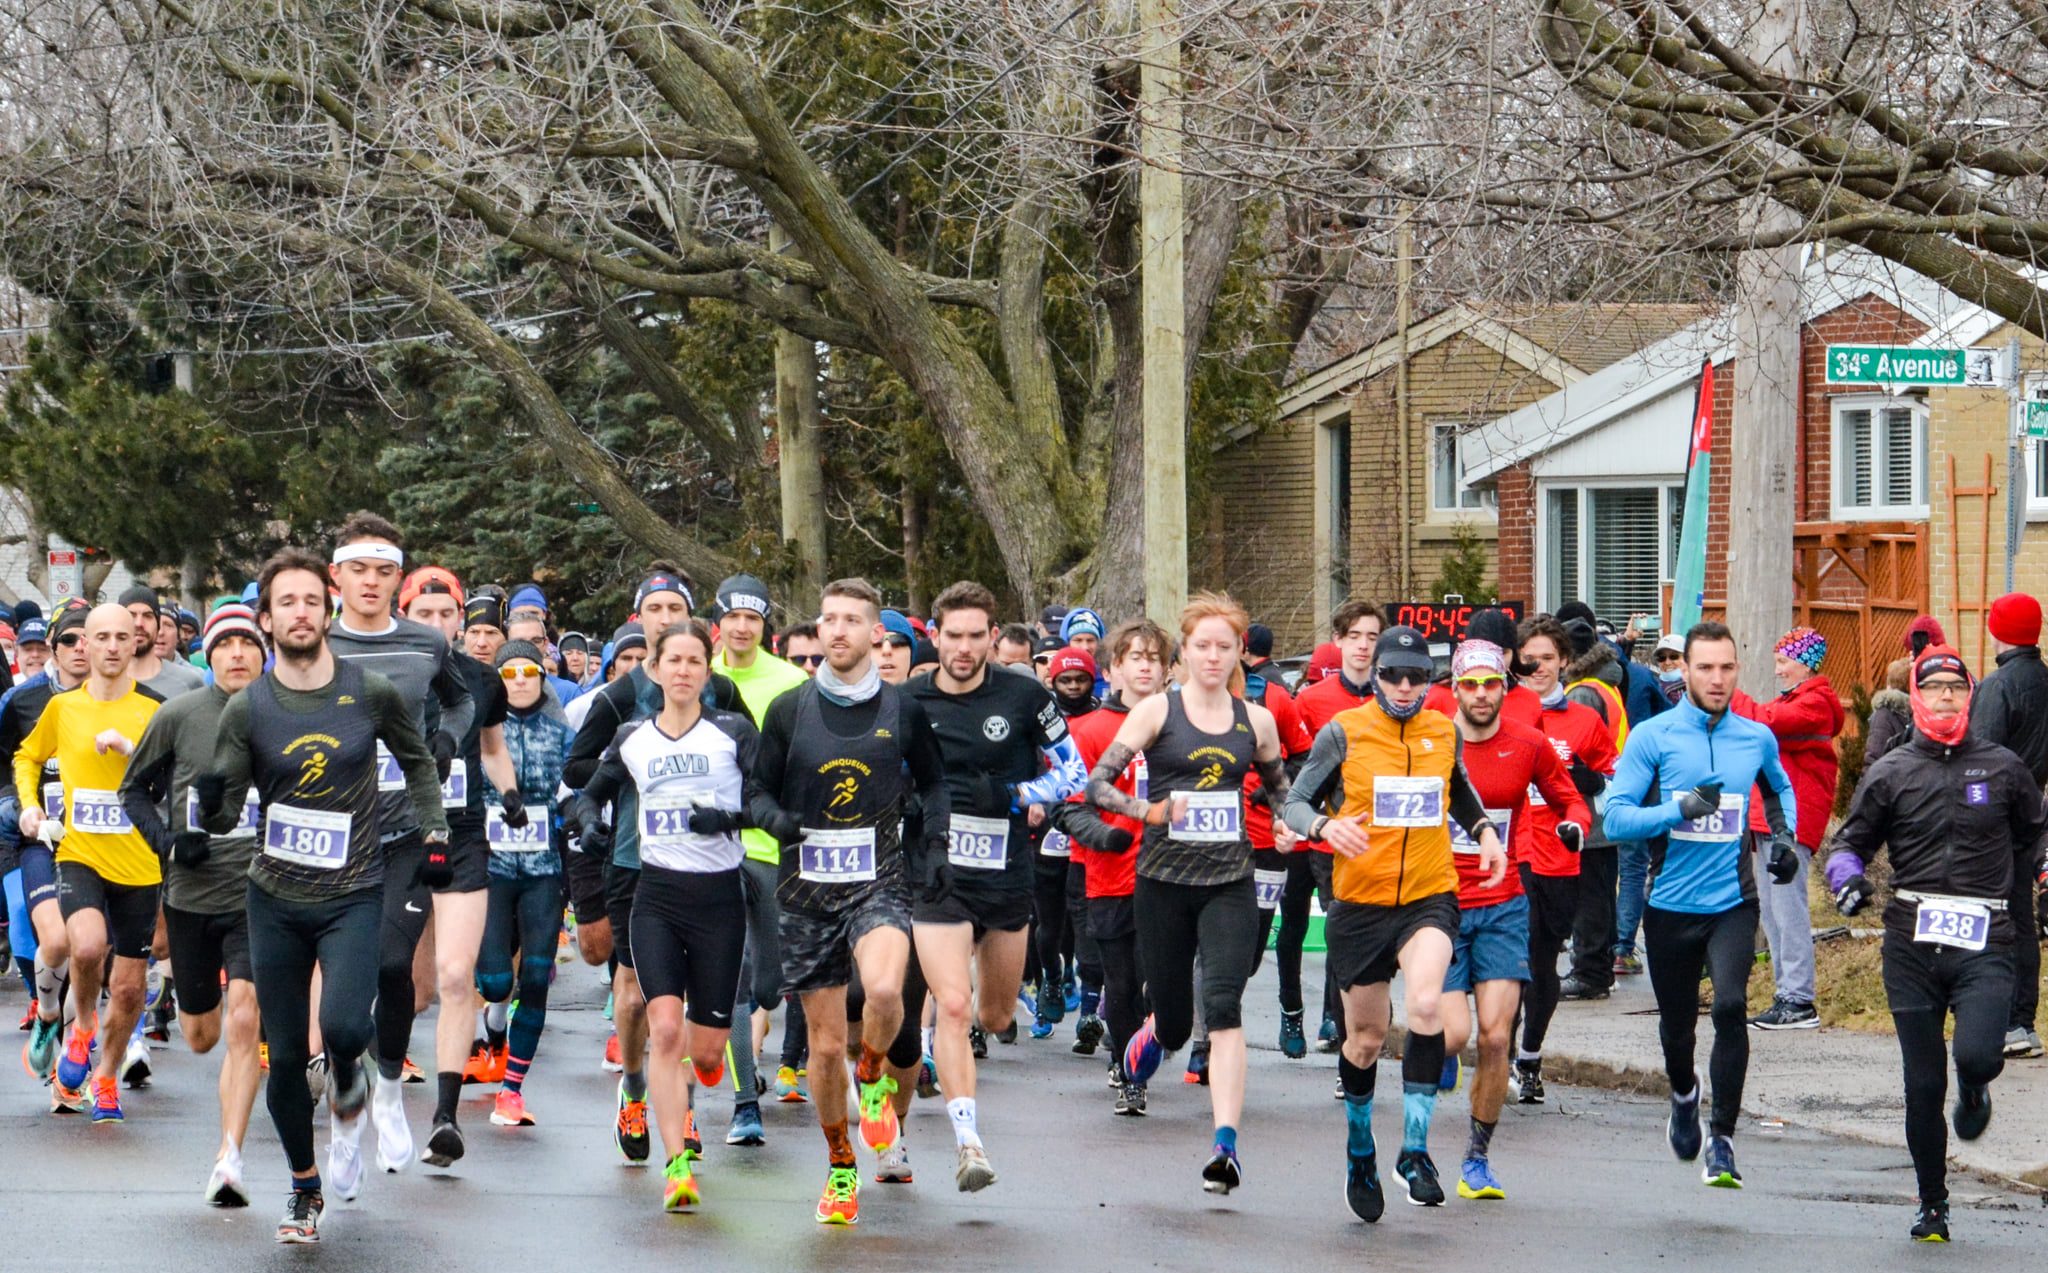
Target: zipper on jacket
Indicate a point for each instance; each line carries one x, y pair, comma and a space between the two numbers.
1401, 875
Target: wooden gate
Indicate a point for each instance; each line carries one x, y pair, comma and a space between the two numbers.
1860, 585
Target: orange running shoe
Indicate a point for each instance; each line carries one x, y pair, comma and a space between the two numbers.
613, 1062
478, 1068
840, 1203
878, 1113
510, 1111
410, 1073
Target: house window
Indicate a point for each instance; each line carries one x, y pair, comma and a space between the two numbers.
1880, 458
1337, 570
2037, 455
1446, 493
1612, 546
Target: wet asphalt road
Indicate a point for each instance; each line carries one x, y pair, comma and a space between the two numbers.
1590, 1183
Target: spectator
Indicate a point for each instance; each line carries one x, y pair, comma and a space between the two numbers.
1891, 712
1804, 717
2010, 708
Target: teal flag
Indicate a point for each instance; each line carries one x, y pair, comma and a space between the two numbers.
1689, 584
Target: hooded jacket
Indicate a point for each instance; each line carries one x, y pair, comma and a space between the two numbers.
1594, 678
1955, 820
2010, 708
1891, 723
1805, 720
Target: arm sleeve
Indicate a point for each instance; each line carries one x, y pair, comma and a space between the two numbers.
422, 781
1064, 773
1321, 784
458, 709
611, 776
10, 741
231, 761
1627, 817
764, 780
1084, 824
1466, 806
29, 759
1781, 810
927, 771
147, 782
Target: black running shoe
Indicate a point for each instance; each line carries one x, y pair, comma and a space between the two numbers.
1362, 1190
1222, 1174
1088, 1032
1683, 1128
1972, 1111
977, 1039
1424, 1189
1528, 1079
1932, 1226
444, 1146
301, 1223
1130, 1100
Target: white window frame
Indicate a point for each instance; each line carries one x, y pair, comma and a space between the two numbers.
1840, 406
2034, 388
1485, 502
1672, 485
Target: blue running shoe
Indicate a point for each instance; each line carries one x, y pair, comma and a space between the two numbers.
74, 1067
1448, 1082
1048, 1008
1041, 1028
1073, 994
106, 1101
1142, 1055
1720, 1167
1475, 1180
1683, 1130
1362, 1192
1326, 1035
746, 1126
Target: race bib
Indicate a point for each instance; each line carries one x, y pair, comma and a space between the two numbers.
1946, 922
837, 856
243, 825
1056, 844
306, 837
53, 800
978, 844
389, 776
531, 838
1407, 802
1536, 800
100, 811
1724, 823
1269, 885
1212, 817
1141, 777
1462, 843
665, 822
455, 787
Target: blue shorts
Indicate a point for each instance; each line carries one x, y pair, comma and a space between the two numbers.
38, 874
1492, 945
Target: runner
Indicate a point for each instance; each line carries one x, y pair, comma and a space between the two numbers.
108, 878
369, 554
1550, 872
206, 889
166, 678
1377, 788
1701, 760
829, 786
1007, 756
24, 707
525, 889
1195, 893
1069, 967
1103, 850
688, 766
305, 735
1509, 766
1957, 816
743, 609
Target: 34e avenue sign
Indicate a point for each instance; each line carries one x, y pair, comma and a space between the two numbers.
1908, 365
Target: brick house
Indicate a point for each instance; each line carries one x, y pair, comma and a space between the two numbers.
1312, 509
1589, 482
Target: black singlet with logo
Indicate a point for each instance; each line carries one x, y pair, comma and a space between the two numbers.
990, 738
1210, 770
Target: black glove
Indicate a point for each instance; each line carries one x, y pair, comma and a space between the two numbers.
1572, 836
1784, 863
191, 848
1851, 896
1700, 801
1587, 779
2041, 913
213, 792
705, 820
592, 834
437, 871
443, 745
937, 885
515, 808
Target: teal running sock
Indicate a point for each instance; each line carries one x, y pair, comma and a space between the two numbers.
1226, 1139
1358, 1124
1418, 1106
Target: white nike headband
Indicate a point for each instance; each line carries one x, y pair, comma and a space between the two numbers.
372, 549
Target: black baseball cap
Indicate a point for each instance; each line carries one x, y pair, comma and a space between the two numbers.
1403, 647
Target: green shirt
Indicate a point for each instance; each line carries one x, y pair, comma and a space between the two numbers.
760, 683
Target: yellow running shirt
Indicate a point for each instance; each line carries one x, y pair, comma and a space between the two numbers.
97, 832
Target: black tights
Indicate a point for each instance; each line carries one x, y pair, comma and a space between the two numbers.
1553, 899
1175, 923
1677, 946
286, 941
406, 905
1923, 983
1308, 874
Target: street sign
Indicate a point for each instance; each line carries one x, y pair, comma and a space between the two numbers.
2037, 419
1908, 365
67, 576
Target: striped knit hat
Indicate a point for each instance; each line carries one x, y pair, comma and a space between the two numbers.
228, 621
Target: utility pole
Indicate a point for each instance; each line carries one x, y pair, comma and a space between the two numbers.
797, 420
1161, 222
2015, 456
1764, 439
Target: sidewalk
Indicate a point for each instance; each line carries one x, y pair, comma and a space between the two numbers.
1839, 1081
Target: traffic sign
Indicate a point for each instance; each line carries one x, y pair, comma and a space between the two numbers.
2036, 419
1909, 365
67, 577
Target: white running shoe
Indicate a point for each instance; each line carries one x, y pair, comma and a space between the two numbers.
135, 1069
224, 1186
394, 1134
345, 1156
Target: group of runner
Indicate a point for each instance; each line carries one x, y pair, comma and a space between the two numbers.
869, 828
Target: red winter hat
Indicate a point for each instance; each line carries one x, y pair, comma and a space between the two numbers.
1325, 660
1069, 659
2015, 619
1925, 625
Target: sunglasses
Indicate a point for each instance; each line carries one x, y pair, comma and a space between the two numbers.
808, 660
1403, 676
1477, 682
68, 640
529, 672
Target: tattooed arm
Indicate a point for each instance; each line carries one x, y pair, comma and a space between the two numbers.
1139, 731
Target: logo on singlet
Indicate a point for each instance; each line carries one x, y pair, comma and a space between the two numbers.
845, 787
996, 728
310, 752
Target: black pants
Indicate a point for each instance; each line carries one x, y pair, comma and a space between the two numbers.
1087, 955
1175, 923
2026, 952
286, 941
1123, 981
1553, 905
1593, 925
1923, 983
1678, 946
1052, 931
1308, 876
524, 914
405, 908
